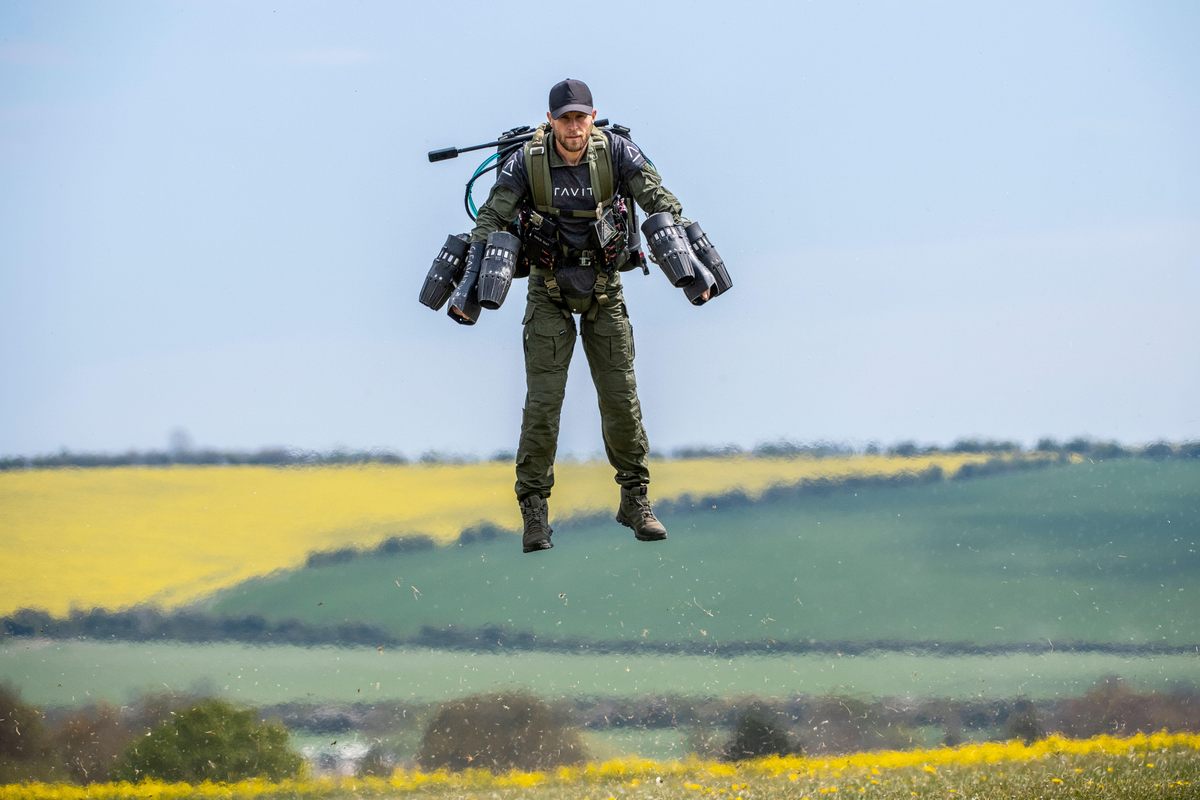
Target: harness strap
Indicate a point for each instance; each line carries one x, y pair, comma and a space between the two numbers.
537, 162
600, 287
547, 278
600, 171
541, 184
552, 288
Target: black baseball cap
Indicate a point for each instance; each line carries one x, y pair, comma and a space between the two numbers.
570, 95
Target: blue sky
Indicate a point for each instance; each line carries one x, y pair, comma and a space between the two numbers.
942, 220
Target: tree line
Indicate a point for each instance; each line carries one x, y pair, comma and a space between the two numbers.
195, 738
782, 448
151, 624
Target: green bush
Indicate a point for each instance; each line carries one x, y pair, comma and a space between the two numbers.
380, 761
510, 730
757, 734
1023, 723
213, 741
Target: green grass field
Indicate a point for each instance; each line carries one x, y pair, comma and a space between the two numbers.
80, 672
1106, 552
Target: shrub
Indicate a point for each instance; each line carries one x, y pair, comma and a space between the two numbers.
510, 730
1111, 707
25, 750
756, 734
379, 762
90, 741
213, 741
1023, 723
1159, 450
838, 724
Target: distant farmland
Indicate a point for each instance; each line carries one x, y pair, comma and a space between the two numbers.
1100, 553
1035, 583
79, 672
115, 537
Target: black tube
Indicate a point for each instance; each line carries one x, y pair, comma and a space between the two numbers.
444, 153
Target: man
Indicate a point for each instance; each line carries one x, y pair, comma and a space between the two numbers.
581, 281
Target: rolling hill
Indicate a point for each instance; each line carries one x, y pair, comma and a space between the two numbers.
1101, 553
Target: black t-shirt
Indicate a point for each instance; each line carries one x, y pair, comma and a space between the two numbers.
573, 184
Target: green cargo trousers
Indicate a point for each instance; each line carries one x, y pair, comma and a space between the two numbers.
549, 340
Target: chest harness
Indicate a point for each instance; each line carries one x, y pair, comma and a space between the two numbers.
566, 271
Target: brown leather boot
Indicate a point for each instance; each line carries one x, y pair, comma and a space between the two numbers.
635, 512
536, 515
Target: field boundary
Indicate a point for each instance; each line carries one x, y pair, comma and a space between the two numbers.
147, 624
721, 501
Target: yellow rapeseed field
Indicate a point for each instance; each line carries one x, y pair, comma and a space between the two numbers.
117, 537
1160, 765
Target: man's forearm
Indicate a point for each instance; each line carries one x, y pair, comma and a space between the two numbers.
500, 209
651, 195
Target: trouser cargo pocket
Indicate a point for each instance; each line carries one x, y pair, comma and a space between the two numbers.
612, 336
549, 338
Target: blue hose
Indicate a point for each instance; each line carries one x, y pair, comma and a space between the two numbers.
482, 168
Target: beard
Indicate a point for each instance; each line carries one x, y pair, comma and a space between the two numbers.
574, 145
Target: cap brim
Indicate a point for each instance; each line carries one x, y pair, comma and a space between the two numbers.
558, 112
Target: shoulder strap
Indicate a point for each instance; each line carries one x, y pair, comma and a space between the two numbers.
537, 165
541, 185
600, 167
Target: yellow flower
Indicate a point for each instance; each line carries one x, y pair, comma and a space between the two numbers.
721, 770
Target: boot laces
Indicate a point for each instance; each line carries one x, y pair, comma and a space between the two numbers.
643, 507
532, 513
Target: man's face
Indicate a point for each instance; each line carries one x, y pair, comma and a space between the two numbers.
572, 129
